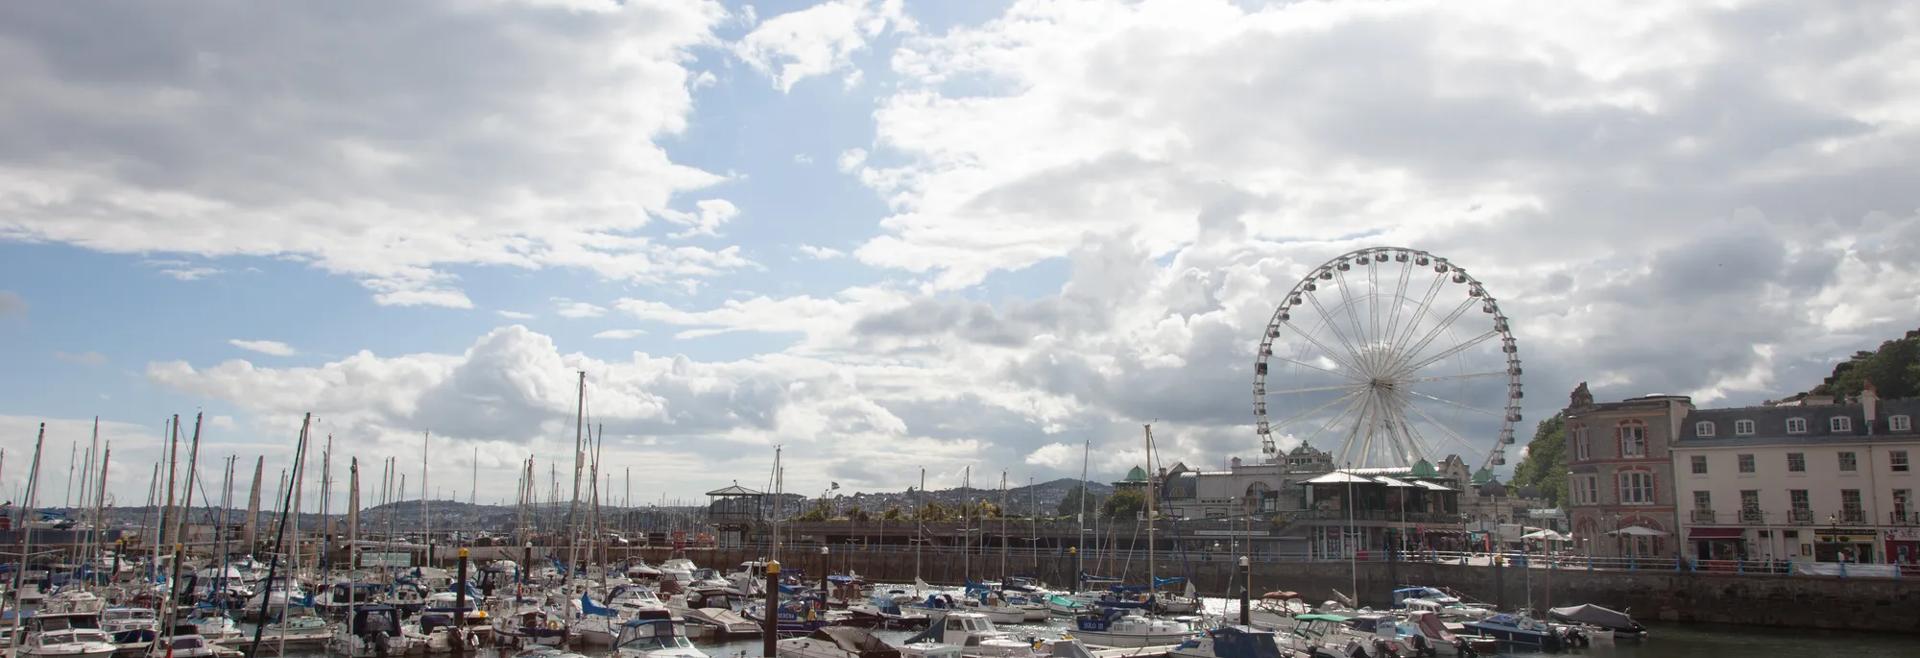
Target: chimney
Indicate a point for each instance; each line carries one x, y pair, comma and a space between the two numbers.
1869, 400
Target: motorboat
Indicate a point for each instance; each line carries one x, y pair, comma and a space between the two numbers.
996, 609
372, 631
1453, 612
1062, 604
1115, 627
1520, 630
974, 634
129, 626
1613, 623
1032, 604
654, 634
722, 623
336, 598
438, 632
1425, 630
73, 599
211, 624
836, 642
1326, 633
182, 646
531, 627
1231, 642
296, 628
886, 608
67, 643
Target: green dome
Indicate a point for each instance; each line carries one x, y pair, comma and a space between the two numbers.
1425, 469
1137, 475
1483, 476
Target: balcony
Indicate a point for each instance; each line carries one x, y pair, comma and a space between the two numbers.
1704, 516
1853, 516
1753, 517
1800, 516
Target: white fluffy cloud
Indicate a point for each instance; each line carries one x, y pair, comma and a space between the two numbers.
568, 308
819, 40
524, 137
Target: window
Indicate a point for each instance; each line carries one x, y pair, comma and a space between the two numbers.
1636, 488
1840, 424
1699, 464
1900, 423
1902, 504
1703, 500
1633, 438
1580, 442
1848, 463
1703, 428
1743, 427
1746, 463
1749, 500
1897, 461
1796, 426
1593, 489
1796, 462
1798, 499
1850, 503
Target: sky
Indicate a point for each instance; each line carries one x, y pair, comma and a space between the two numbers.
891, 236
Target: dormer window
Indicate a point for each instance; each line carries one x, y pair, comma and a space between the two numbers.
1703, 428
1900, 423
1840, 424
1743, 428
1796, 426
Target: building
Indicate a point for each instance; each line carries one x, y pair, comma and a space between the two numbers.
1828, 483
1620, 473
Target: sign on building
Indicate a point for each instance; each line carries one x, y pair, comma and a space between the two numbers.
386, 559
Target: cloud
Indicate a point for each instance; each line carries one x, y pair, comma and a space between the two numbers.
82, 358
568, 308
1053, 455
12, 304
267, 347
620, 334
820, 253
528, 138
851, 159
819, 40
706, 219
182, 270
513, 315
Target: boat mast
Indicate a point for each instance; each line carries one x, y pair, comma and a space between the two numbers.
26, 535
1086, 449
1003, 528
919, 526
966, 530
579, 462
326, 500
1153, 586
166, 512
179, 535
426, 518
353, 534
253, 505
219, 583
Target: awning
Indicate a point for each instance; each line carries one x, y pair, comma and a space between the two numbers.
1339, 477
1433, 487
1715, 533
1382, 479
1639, 531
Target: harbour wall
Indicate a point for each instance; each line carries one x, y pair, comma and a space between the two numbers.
1866, 604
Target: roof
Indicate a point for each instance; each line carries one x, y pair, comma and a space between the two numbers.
1770, 425
1136, 475
735, 490
1424, 469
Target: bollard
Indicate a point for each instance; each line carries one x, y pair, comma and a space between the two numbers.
770, 631
1246, 593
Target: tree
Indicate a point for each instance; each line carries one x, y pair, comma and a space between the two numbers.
1070, 504
822, 510
1125, 504
859, 515
1545, 466
892, 514
1894, 370
933, 511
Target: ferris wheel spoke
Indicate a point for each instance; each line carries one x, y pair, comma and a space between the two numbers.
1350, 376
1368, 357
1317, 389
1326, 351
1393, 313
1437, 330
1469, 343
1448, 402
1447, 432
1373, 301
1419, 313
1410, 448
1451, 378
1344, 398
1347, 412
1366, 406
1332, 323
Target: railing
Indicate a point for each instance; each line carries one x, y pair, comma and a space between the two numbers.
1703, 516
1753, 516
1800, 516
1853, 516
1903, 518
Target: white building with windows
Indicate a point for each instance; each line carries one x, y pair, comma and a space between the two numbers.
1824, 483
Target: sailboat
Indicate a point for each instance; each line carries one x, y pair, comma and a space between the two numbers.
1129, 627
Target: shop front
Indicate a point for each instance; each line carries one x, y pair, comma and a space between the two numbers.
1903, 547
1851, 545
1717, 544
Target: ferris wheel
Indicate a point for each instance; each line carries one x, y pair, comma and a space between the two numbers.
1372, 354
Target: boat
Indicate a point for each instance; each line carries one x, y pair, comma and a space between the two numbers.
1519, 630
182, 646
1425, 630
654, 634
885, 609
73, 600
1117, 627
1232, 642
975, 635
212, 624
722, 623
67, 643
373, 631
437, 631
996, 609
1327, 633
129, 626
303, 629
1608, 622
1062, 604
836, 642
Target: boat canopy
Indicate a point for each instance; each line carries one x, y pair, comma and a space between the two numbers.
855, 641
1322, 616
1243, 642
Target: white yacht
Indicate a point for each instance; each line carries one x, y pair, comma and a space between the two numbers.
654, 634
837, 642
1114, 627
67, 643
182, 646
975, 635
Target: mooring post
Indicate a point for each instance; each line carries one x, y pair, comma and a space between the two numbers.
770, 625
1246, 591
